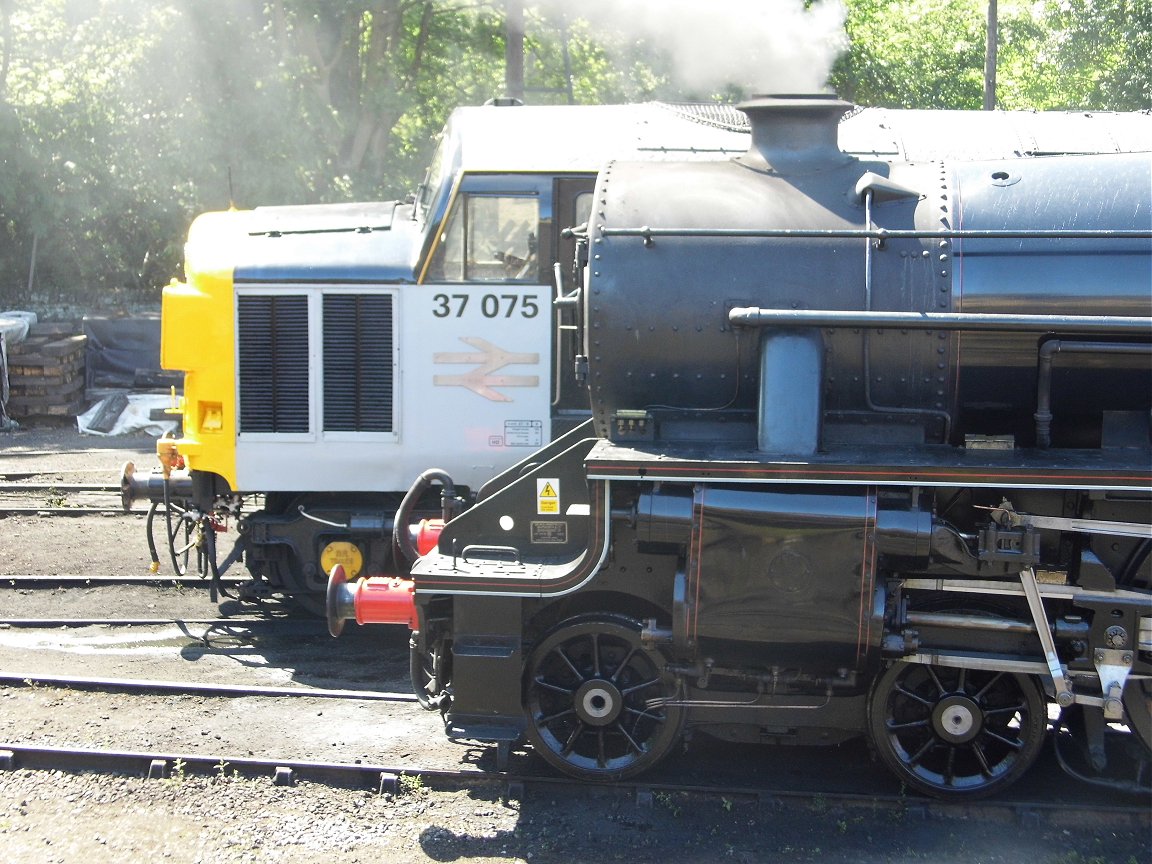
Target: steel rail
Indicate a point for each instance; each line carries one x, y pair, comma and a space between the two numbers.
11, 476
185, 687
57, 487
65, 511
283, 621
160, 765
31, 579
386, 778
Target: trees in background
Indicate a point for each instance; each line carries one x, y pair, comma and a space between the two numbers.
122, 119
1053, 54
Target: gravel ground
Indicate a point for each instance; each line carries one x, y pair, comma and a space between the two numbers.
55, 817
100, 820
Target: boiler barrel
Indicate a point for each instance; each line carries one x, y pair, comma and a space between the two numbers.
675, 247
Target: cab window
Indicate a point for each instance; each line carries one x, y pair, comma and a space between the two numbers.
489, 238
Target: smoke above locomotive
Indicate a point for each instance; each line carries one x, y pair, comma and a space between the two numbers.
786, 46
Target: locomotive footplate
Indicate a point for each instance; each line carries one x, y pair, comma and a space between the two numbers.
1128, 470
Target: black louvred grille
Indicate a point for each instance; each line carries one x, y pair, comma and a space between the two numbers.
273, 357
358, 363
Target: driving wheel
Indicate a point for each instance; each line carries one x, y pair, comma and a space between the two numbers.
956, 733
599, 704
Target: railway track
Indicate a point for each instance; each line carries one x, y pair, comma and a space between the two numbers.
714, 768
7, 487
59, 499
387, 778
309, 625
78, 580
53, 510
141, 685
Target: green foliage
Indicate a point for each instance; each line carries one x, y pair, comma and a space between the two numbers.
1078, 54
913, 54
120, 120
1053, 54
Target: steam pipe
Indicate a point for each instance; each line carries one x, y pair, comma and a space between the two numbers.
1047, 354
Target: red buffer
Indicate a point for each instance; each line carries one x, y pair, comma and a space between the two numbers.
376, 600
428, 535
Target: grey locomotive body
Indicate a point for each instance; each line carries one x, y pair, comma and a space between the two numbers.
869, 455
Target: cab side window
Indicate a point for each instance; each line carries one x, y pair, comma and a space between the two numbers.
489, 238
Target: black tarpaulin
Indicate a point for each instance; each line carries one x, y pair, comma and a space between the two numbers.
118, 347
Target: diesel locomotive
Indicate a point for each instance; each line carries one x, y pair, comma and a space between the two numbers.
869, 454
330, 353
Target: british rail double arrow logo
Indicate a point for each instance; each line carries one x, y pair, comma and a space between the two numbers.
481, 380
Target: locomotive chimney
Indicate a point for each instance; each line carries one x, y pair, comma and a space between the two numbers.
794, 130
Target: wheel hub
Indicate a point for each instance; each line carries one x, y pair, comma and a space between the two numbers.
598, 702
957, 719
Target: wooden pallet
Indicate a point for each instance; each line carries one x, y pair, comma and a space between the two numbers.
46, 372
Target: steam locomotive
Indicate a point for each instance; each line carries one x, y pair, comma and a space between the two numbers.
330, 353
869, 454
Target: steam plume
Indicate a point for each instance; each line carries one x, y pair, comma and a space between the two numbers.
764, 46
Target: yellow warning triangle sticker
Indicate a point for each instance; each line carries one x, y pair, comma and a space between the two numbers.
548, 491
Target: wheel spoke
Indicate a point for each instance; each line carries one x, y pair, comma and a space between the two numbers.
914, 724
569, 664
615, 677
1014, 743
950, 767
552, 718
1009, 709
596, 655
636, 748
573, 738
935, 680
979, 697
555, 688
636, 688
985, 768
601, 754
905, 692
915, 758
